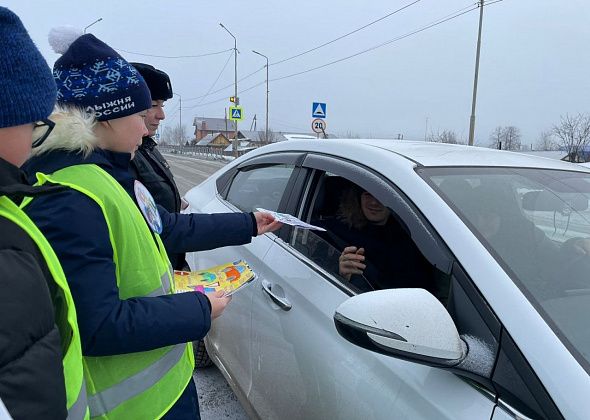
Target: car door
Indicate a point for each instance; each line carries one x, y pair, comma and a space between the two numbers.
256, 183
302, 368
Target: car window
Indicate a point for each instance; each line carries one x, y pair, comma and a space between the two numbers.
536, 224
259, 187
365, 245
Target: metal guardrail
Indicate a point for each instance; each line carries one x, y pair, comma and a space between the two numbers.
206, 152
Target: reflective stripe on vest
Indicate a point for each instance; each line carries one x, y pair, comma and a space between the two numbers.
166, 288
75, 385
103, 402
79, 410
143, 384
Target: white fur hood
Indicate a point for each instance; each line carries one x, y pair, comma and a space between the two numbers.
73, 132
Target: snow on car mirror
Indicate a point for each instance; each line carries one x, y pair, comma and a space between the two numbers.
409, 324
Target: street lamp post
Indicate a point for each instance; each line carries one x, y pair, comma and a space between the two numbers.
96, 21
237, 100
181, 128
266, 130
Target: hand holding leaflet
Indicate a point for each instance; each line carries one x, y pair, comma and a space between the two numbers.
291, 220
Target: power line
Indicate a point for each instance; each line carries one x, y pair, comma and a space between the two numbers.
313, 49
225, 97
308, 51
436, 23
225, 87
174, 56
446, 18
217, 78
345, 35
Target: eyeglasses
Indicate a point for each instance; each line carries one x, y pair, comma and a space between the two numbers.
41, 130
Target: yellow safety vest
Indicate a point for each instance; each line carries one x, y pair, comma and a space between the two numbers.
142, 385
77, 403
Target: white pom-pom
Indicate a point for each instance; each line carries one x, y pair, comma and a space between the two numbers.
61, 37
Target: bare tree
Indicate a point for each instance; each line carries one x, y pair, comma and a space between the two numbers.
496, 137
546, 141
174, 135
573, 134
349, 135
272, 137
512, 138
446, 136
507, 138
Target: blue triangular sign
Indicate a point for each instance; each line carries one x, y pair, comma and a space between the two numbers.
236, 113
319, 111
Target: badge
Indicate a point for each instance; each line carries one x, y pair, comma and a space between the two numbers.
147, 205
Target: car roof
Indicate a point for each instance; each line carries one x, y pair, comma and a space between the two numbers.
431, 154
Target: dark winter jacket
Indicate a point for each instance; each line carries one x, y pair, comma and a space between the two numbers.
151, 169
391, 257
31, 370
74, 225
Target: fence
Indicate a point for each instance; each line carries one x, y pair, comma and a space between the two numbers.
207, 152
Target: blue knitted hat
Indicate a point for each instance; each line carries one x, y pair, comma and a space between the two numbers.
94, 77
27, 90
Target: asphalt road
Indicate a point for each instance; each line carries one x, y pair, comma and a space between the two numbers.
216, 399
189, 171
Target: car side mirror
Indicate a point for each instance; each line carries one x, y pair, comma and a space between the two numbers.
409, 324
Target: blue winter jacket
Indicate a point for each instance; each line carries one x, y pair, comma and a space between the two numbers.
74, 225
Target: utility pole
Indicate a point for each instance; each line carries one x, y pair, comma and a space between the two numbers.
181, 128
235, 142
472, 120
266, 130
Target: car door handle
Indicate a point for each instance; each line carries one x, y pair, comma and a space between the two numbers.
282, 302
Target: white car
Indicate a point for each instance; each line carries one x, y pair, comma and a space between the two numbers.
481, 306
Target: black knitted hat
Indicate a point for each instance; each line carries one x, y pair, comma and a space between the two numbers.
158, 82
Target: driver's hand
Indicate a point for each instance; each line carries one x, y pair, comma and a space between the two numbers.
351, 261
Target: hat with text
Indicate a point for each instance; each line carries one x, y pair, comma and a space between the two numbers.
27, 90
94, 77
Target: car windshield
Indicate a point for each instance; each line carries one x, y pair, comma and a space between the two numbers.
536, 224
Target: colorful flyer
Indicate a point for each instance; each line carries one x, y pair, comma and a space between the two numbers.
229, 277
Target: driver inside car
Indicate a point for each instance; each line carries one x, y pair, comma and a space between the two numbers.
377, 251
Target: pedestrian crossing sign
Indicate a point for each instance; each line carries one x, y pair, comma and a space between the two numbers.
318, 110
236, 113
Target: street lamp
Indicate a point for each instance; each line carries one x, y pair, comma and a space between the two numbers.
235, 142
266, 131
96, 21
181, 128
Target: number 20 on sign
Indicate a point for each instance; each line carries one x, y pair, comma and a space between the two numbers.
318, 125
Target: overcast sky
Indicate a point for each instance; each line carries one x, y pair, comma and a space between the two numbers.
534, 67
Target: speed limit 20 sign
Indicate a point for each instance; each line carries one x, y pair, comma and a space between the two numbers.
318, 125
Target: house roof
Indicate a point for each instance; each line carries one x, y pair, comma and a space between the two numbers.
244, 145
213, 124
258, 135
205, 141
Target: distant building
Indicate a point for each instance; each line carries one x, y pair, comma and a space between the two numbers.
205, 126
213, 140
